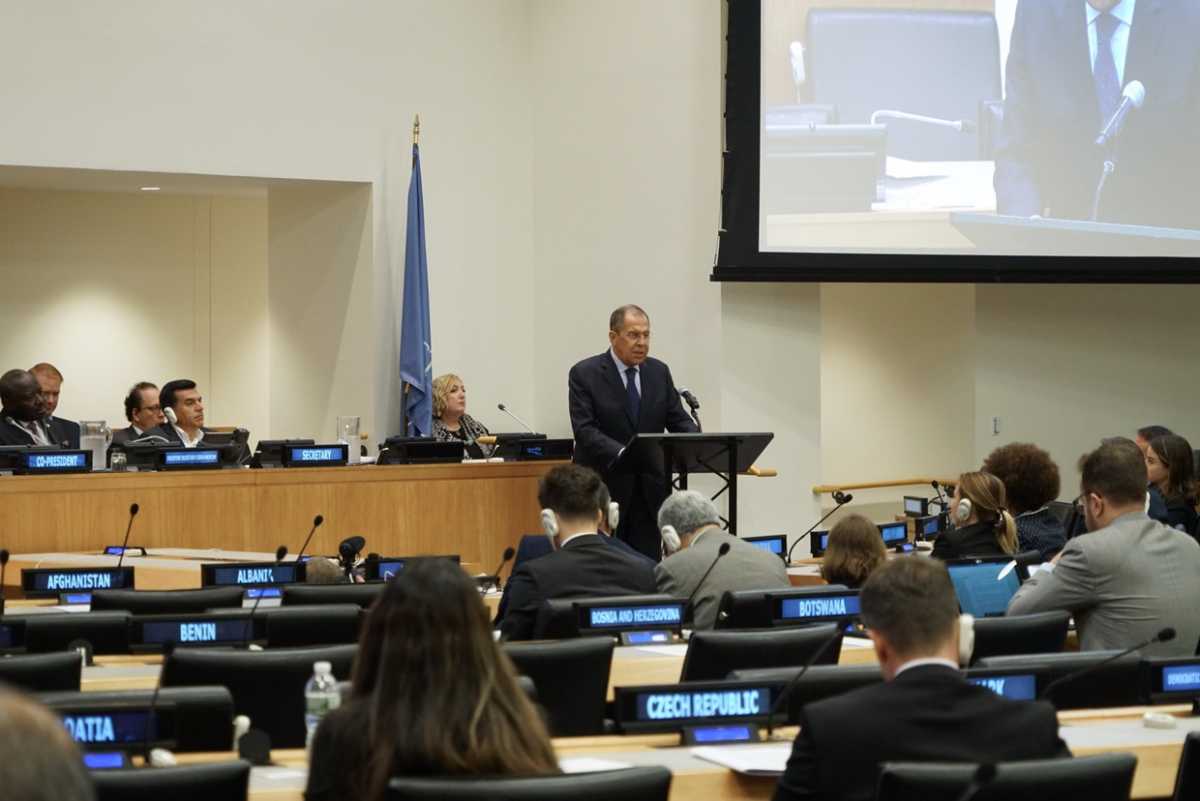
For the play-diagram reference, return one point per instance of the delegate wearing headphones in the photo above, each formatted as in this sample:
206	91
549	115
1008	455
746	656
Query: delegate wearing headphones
982	524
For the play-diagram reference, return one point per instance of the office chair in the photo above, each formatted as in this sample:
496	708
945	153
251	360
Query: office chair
1105	777
571	677
1041	633
821	681
1187	780
226	781
43	672
105	632
311	594
202	717
652	783
1115	684
167	602
714	655
327	624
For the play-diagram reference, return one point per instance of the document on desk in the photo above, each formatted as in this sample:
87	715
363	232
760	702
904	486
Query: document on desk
760	759
663	650
590	765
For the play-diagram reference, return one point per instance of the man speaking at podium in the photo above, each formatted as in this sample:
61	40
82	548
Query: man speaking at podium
613	396
1069	66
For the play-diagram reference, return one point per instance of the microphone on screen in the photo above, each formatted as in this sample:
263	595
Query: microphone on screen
839	627
1133	97
724	549
1162	635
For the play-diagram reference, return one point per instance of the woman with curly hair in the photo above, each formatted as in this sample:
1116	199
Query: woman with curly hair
1031	482
855	549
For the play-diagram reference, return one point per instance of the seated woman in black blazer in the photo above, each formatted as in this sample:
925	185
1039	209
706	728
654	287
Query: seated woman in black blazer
432	695
1171	470
982	524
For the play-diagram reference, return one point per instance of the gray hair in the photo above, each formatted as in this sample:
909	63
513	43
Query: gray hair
687	511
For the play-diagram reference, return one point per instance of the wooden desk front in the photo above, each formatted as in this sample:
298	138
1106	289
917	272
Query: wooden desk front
474	510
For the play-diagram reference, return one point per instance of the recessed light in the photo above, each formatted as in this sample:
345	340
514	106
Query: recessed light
151	188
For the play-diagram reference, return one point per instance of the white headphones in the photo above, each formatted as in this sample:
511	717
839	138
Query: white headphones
670	538
550	520
962	512
614	516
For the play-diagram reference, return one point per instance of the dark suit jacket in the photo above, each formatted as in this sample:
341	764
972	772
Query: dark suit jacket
602	425
583	567
1045	156
63	433
978	539
927	714
123	435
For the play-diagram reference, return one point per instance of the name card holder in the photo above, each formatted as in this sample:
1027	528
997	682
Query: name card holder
250	574
694	705
649	637
722	734
50	582
52	461
1171	680
335	455
814	607
189	459
632	615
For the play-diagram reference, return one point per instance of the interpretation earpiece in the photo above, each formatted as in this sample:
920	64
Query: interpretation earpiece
966	639
962	512
614	516
550	524
670	538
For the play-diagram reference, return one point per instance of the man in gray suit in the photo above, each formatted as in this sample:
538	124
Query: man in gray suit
691	528
1130	576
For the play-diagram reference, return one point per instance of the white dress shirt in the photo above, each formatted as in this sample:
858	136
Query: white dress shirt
1120	39
188	442
933	660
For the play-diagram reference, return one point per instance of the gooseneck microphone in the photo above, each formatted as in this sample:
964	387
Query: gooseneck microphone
1133	97
839	627
724	549
521	422
133	511
941	499
841	499
3	567
509	553
151	728
1163	635
317	521
280	553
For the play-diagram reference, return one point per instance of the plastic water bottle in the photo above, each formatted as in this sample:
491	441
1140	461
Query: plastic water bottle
320	696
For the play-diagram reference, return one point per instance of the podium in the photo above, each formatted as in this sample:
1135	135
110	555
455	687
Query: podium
679	455
1028	236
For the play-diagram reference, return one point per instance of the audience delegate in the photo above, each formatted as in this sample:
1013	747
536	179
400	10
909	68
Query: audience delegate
982	524
143	411
1130	575
855	551
1031	483
41	763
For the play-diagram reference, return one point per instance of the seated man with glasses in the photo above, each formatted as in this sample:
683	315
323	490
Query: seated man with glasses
143	412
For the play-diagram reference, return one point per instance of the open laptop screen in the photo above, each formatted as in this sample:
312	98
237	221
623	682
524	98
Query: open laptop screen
984	586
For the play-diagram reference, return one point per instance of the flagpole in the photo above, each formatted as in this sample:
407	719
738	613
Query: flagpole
404	408
417	129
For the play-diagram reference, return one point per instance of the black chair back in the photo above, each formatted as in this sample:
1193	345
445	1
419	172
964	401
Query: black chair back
268	686
331	624
651	783
167	602
220	781
43	672
1187	780
202	716
571	677
821	681
1040	633
1106	777
311	594
1115	684
106	632
713	655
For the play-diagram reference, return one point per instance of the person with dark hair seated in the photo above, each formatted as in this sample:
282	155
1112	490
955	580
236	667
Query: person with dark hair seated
1156	507
583	564
924	711
1130	576
142	410
982	524
432	694
1031	482
855	551
1171	470
187	407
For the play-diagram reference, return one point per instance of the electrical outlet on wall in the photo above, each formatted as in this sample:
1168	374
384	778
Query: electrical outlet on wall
995	426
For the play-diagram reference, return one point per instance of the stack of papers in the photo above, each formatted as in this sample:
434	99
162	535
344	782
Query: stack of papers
759	759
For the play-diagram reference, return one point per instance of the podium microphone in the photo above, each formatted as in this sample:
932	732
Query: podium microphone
522	423
693	404
1163	635
317	521
3	567
839	627
841	499
133	510
724	549
1132	97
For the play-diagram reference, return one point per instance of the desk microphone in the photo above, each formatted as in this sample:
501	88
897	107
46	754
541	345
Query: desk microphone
941	499
839	627
1163	635
509	553
523	424
984	775
280	553
133	511
3	567
317	521
841	499
724	549
157	757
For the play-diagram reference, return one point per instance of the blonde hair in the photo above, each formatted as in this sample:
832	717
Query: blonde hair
441	390
854	551
990	504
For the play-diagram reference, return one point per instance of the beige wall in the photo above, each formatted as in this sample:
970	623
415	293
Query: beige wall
143	287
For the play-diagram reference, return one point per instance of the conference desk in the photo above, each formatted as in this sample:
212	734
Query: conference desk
1086	733
475	510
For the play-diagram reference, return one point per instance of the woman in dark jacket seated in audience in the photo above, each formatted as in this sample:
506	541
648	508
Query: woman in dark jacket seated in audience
1171	470
982	524
432	695
854	551
1031	482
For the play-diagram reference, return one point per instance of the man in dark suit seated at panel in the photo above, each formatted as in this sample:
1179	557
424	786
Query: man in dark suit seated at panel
187	407
582	564
613	396
64	433
1067	67
143	412
925	711
23	418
